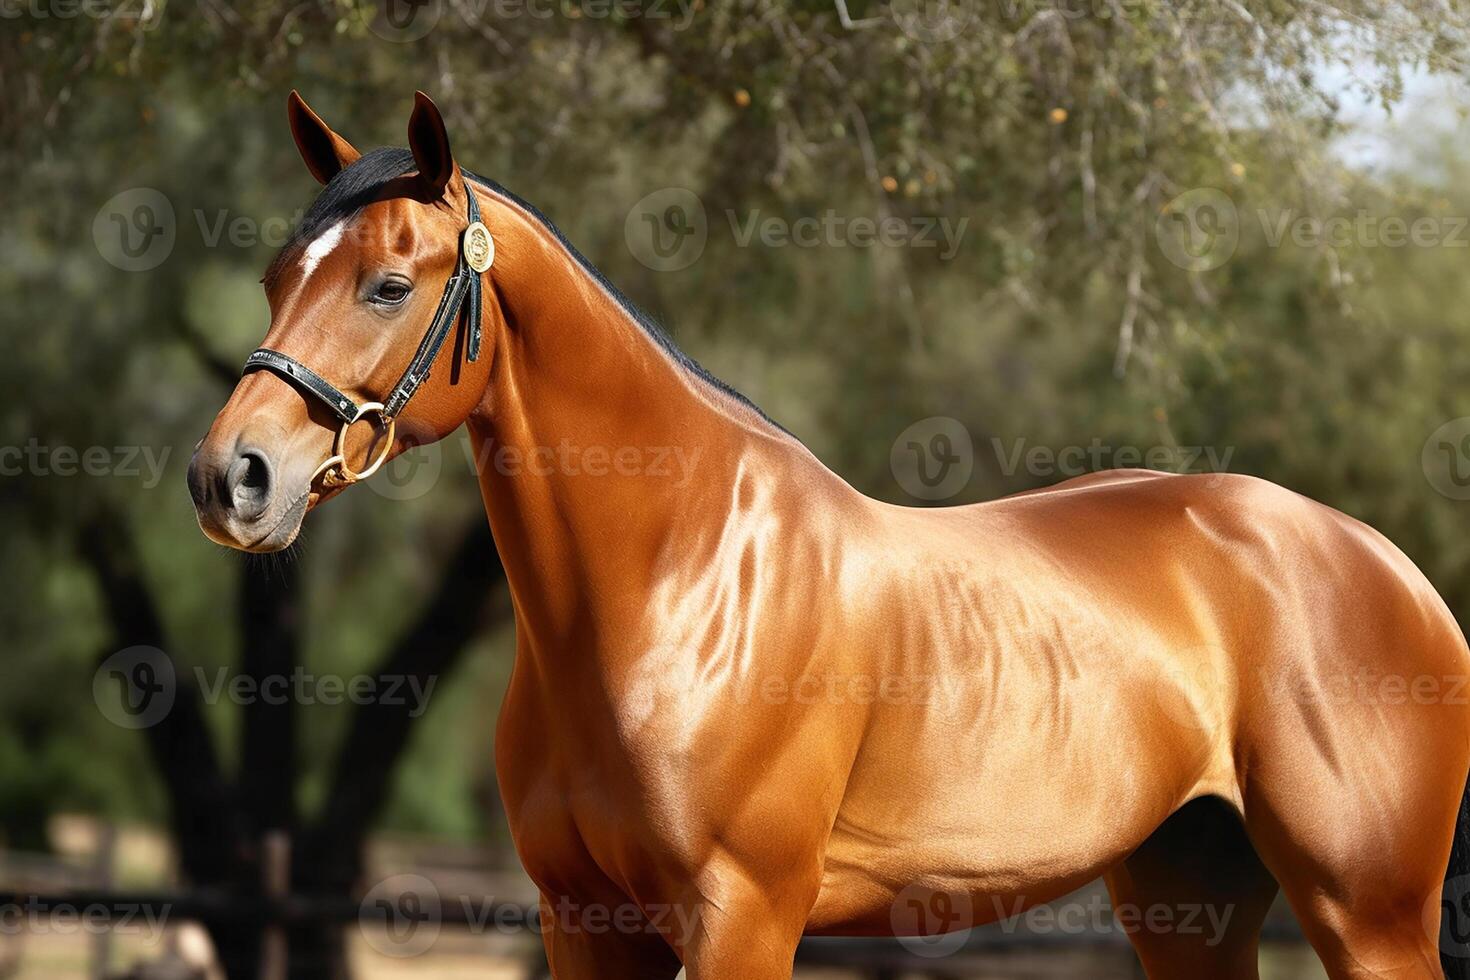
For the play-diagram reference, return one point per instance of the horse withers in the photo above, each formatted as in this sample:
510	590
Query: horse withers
750	703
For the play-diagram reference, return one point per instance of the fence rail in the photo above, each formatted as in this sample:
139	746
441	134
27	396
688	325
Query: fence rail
876	958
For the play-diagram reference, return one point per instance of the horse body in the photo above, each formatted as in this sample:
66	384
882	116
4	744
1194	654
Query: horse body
1117	647
806	693
749	703
999	702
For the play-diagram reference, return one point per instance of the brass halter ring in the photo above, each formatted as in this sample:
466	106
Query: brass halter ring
335	472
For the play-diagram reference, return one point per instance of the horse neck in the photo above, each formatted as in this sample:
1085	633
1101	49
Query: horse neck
599	455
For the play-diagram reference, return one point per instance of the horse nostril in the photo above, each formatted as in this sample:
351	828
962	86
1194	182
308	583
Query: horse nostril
257	473
248	484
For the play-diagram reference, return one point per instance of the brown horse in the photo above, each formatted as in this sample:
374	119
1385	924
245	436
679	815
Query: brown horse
750	703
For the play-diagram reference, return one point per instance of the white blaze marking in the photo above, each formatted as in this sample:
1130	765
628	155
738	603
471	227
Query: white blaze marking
321	247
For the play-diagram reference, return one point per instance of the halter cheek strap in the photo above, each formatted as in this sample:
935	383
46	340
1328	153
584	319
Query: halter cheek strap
462	291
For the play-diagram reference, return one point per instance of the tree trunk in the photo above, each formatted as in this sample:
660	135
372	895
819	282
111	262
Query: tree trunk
219	825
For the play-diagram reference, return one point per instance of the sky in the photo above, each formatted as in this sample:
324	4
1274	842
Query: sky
1382	141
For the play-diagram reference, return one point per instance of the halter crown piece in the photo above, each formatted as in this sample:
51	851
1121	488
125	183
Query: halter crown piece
476	253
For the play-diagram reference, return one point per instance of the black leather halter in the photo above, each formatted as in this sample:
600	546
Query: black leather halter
476	251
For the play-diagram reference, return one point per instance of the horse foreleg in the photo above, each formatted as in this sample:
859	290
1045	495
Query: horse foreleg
604	941
747	933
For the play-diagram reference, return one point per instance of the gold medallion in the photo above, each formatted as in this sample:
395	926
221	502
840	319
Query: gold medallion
479	247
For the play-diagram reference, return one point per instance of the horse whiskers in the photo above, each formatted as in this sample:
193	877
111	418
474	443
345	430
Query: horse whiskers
274	563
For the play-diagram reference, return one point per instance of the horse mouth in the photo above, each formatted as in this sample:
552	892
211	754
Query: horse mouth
283	532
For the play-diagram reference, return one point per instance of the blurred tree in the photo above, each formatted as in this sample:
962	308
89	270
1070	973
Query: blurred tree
221	821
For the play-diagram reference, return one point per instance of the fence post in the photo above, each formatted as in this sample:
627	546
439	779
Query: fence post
275	864
102	867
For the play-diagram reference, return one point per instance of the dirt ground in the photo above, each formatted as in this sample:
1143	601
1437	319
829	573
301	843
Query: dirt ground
139	857
68	957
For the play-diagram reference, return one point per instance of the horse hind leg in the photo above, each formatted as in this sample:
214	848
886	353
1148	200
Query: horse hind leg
1368	894
1193	896
1353	805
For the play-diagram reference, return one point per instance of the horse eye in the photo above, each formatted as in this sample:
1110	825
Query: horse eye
391	292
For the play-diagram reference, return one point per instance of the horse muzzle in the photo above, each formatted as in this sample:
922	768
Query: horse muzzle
241	499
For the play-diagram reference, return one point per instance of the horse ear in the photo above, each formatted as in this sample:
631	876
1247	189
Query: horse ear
429	142
325	153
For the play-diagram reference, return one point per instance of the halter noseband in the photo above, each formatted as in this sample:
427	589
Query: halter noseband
476	252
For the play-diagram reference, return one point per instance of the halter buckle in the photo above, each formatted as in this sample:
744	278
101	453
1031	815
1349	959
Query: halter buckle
334	471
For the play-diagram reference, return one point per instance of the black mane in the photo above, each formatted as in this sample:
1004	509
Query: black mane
357	185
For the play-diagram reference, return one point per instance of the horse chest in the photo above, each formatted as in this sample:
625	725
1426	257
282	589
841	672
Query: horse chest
579	801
